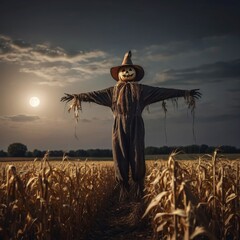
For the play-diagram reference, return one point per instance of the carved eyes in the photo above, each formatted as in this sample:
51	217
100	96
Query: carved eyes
124	70
127	74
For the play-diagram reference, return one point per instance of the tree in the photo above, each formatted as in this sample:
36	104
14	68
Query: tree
56	153
81	153
203	148
152	150
3	154
17	150
29	154
37	153
71	153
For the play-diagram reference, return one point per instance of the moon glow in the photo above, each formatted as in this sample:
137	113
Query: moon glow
34	101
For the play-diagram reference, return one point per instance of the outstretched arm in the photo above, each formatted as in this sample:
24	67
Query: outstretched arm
155	94
102	97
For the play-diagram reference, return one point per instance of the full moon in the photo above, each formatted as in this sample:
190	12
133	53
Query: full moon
34	101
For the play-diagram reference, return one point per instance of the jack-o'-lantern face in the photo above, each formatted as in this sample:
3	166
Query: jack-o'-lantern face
127	73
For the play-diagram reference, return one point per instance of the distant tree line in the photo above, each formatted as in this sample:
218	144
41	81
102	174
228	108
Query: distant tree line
190	149
20	150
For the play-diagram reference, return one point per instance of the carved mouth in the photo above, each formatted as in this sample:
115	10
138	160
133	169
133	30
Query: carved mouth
127	75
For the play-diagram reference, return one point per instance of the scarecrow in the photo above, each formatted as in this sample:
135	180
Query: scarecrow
127	99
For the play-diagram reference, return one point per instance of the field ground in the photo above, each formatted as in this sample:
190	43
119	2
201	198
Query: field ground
148	157
115	221
121	220
81	200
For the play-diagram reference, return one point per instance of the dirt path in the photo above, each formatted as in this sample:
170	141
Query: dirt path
121	220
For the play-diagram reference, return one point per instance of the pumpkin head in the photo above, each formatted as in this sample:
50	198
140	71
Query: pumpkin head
127	71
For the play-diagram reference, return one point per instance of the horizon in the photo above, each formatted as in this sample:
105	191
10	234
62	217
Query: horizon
86	149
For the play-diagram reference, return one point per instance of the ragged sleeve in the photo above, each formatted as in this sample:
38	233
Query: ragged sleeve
101	97
151	94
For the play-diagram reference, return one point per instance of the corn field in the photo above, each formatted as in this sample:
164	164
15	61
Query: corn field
43	200
61	200
194	199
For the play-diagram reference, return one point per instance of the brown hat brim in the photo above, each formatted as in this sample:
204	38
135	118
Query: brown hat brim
139	71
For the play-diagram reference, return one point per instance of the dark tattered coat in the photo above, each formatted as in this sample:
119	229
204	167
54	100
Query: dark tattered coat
127	101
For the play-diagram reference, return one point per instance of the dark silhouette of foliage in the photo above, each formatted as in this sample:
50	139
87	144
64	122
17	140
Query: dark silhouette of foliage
37	153
3	154
17	150
20	150
56	153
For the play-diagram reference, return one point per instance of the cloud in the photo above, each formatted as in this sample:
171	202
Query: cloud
212	47
20	118
168	51
234	90
53	65
207	73
96	119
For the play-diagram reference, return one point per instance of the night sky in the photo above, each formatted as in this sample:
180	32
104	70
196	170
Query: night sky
51	47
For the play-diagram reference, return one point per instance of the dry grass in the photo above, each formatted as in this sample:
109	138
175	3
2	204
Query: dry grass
60	200
194	200
43	200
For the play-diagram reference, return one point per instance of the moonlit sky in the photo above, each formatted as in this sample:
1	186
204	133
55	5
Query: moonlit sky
51	47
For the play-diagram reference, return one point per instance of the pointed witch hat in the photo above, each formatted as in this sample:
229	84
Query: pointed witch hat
127	62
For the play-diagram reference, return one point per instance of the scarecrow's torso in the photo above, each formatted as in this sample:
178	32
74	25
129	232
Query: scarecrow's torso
126	99
126	107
